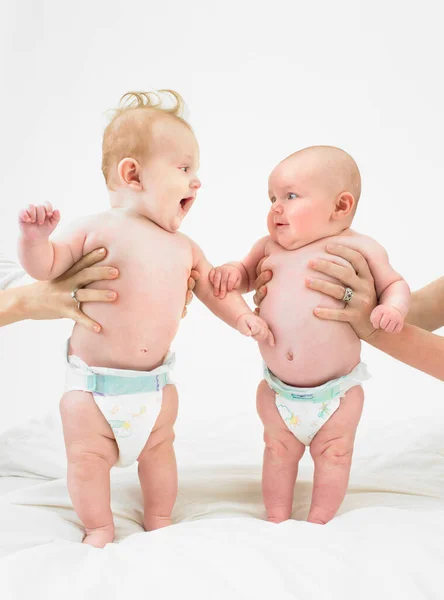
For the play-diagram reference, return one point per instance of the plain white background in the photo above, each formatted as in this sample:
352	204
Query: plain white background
260	83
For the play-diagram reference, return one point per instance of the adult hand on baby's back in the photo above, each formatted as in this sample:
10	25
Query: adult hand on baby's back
360	280
54	300
194	276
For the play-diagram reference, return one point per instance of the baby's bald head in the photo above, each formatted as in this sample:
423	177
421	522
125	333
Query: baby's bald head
331	166
313	193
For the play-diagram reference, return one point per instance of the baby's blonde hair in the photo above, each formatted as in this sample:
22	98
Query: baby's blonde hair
128	132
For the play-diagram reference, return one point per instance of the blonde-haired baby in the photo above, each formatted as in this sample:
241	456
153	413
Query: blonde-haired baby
120	403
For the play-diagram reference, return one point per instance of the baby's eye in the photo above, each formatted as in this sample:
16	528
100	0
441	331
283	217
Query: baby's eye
273	199
185	169
291	196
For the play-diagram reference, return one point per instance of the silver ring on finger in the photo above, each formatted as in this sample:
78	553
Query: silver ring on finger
348	295
74	297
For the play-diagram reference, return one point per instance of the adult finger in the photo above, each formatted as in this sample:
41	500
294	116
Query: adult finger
326	287
92	295
260	295
263	279
354	257
343	274
86	261
332	314
192	283
79	317
259	265
92	274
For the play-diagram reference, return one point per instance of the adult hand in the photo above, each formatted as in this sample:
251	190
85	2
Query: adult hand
194	276
53	300
260	284
360	280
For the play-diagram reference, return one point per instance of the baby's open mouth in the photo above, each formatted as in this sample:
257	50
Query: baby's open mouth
185	203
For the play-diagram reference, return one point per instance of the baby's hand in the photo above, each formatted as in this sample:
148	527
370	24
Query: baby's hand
255	327
387	318
38	222
224	278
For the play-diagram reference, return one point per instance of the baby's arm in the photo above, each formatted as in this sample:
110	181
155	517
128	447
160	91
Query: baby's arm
41	258
233	309
392	290
238	275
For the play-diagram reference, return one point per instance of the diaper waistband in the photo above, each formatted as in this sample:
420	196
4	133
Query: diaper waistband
116	382
322	393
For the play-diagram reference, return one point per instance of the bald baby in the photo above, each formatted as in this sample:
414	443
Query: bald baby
311	394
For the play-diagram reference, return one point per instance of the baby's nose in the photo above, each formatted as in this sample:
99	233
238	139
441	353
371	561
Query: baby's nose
196	184
277	208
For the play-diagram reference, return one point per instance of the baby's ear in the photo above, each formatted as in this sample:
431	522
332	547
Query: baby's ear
344	205
128	172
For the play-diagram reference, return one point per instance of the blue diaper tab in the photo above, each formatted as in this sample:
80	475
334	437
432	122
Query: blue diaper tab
113	385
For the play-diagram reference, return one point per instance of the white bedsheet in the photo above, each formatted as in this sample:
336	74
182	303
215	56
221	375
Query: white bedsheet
385	543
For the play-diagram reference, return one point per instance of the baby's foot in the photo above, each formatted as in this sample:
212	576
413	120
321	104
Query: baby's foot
100	536
153	522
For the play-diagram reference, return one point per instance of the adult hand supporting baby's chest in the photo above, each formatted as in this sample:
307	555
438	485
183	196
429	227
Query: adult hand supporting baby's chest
360	280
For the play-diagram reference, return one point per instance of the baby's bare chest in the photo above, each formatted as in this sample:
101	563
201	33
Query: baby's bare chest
291	268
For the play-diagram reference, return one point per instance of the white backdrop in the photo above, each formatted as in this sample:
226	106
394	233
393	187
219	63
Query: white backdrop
259	84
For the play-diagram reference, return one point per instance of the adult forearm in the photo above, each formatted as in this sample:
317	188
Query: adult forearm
12	306
413	346
427	306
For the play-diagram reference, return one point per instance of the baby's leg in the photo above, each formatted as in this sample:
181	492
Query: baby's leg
281	458
332	450
92	451
157	465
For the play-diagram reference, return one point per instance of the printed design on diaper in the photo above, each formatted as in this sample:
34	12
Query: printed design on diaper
123	428
325	411
120	429
288	416
308	419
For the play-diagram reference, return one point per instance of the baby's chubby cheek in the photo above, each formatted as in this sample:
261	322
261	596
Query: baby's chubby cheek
303	221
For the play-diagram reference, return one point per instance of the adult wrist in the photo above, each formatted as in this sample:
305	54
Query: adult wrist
12	306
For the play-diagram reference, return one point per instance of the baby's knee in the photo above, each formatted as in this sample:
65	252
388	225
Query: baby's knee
160	442
86	463
337	451
283	444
